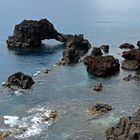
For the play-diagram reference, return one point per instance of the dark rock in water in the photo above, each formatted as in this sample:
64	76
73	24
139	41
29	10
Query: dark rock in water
76	47
105	48
96	52
29	33
131	65
128	128
98	87
127	46
138	44
19	80
99	109
133	54
102	65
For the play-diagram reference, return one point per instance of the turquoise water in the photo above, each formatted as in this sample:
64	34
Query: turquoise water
67	89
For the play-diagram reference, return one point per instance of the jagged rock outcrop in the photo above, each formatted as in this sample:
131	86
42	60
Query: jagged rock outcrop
127	46
102	65
128	128
76	48
19	80
29	33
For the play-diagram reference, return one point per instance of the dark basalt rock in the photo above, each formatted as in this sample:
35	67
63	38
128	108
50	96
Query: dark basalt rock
127	46
105	48
130	65
96	52
128	128
138	44
76	47
29	33
102	65
19	80
133	54
99	109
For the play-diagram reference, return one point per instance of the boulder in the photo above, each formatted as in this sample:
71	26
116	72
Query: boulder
130	65
29	33
76	48
133	54
96	52
105	48
19	80
102	65
99	109
128	128
127	46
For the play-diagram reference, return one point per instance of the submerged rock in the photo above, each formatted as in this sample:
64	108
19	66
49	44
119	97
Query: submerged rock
76	47
105	48
98	87
127	46
128	128
102	65
99	109
96	52
29	33
131	65
19	80
132	77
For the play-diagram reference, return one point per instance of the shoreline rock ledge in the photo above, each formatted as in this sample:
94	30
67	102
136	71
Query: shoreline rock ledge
128	128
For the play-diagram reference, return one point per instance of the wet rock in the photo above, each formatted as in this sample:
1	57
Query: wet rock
96	52
105	48
19	80
52	115
127	46
102	65
131	65
99	109
76	47
133	54
138	44
128	128
98	87
29	33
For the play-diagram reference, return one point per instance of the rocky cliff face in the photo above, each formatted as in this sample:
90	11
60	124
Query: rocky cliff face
128	128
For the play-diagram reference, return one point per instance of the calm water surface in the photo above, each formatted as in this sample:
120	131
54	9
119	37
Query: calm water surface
67	89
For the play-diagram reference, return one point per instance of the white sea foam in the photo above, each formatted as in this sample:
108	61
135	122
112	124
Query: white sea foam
33	123
3	83
37	73
11	120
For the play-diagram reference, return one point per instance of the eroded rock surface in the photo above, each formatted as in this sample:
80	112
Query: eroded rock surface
96	52
128	128
102	65
19	80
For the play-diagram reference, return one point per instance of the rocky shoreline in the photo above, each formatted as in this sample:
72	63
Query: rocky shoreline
99	63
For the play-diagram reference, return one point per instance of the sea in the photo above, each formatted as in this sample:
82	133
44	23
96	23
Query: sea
67	89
